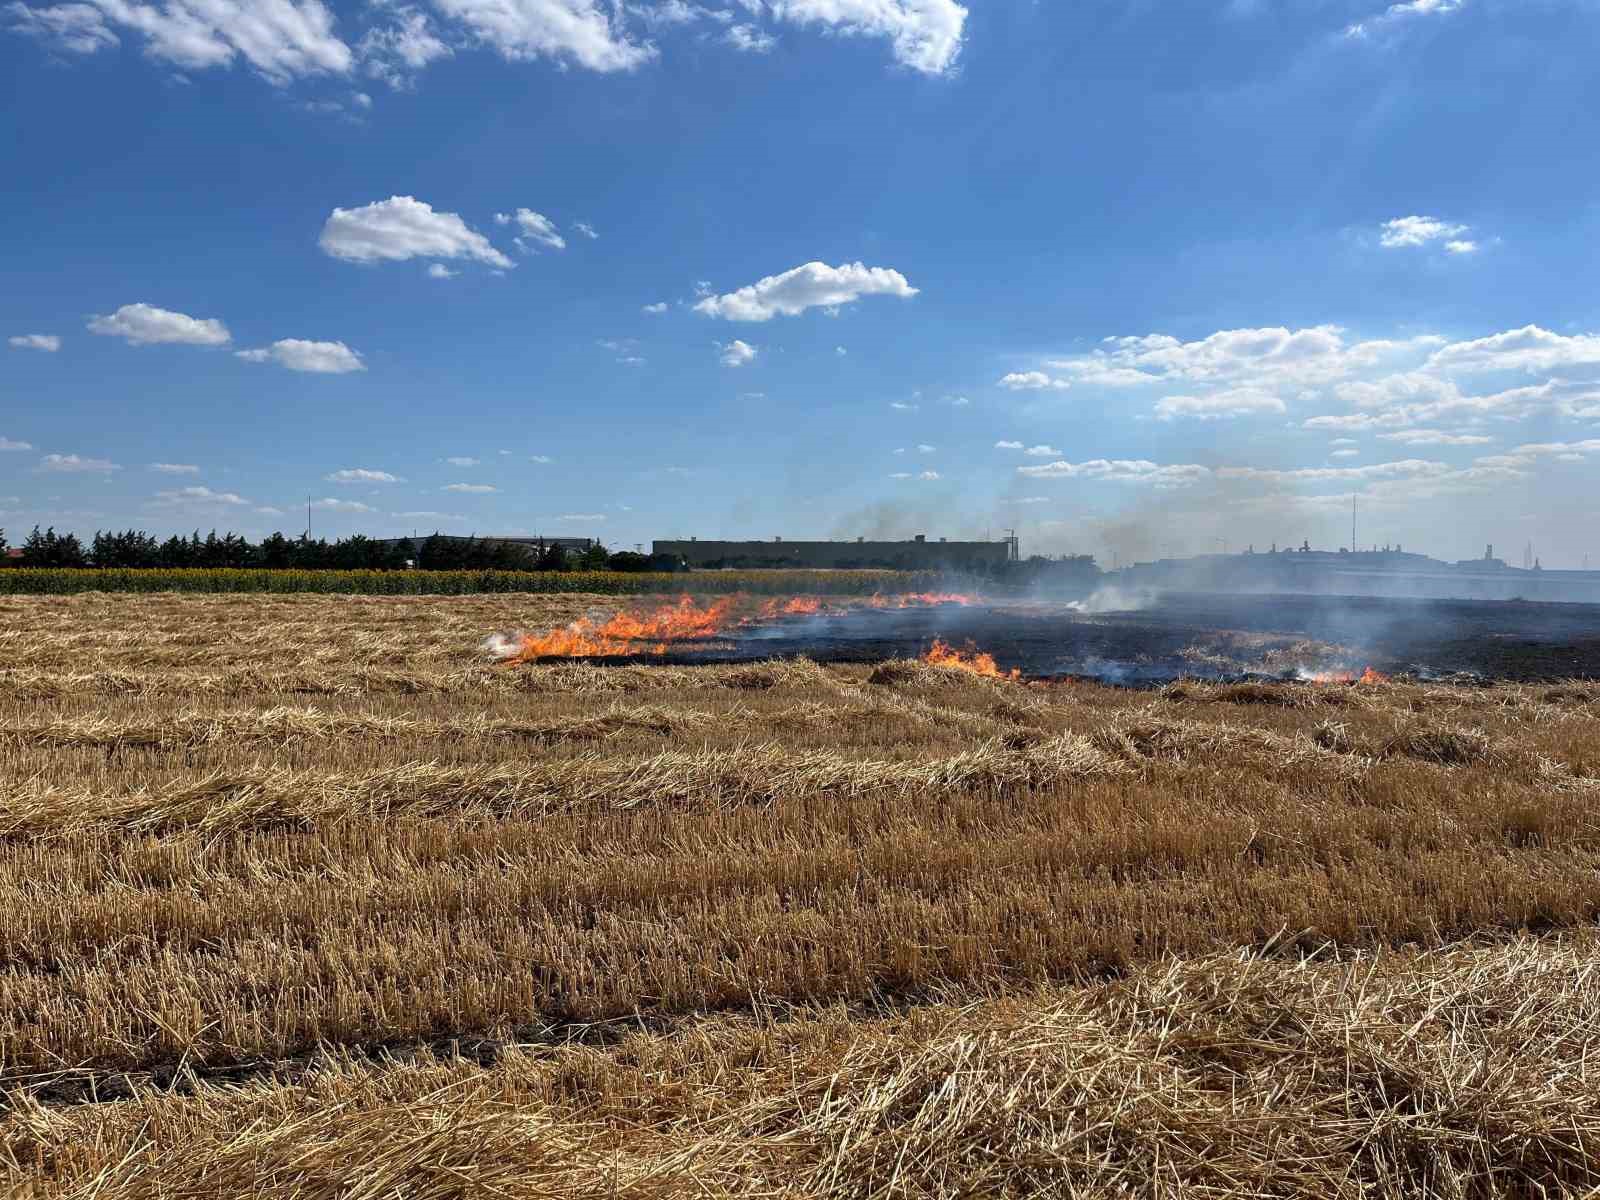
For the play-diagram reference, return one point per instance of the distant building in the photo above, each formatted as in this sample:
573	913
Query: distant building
916	554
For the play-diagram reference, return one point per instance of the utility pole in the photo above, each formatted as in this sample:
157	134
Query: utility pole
308	518
1352	522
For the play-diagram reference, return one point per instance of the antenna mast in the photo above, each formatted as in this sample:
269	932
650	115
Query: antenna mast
1352	522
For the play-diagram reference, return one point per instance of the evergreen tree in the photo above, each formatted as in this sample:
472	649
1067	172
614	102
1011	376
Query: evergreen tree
275	551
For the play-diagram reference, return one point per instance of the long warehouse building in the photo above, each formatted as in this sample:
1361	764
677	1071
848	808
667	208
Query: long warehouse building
916	554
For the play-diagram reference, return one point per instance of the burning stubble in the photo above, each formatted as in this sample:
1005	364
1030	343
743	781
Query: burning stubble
330	907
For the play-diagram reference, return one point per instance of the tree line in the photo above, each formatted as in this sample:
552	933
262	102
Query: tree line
437	552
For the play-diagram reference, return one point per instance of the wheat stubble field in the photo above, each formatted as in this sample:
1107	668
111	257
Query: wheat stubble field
300	898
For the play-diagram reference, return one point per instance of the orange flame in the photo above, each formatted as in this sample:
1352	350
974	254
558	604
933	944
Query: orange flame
941	654
1369	676
627	633
920	599
795	606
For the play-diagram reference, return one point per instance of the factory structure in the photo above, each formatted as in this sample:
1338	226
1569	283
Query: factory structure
917	554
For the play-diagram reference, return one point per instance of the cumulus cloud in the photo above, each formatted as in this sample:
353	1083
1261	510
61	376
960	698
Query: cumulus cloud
1266	357
297	354
400	228
9	444
198	496
1032	381
440	271
146	325
1008	445
1400	12
1121	471
1434	437
1347	452
656	309
586	229
74	28
462	461
362	475
175	468
1042	451
1461	246
1390	470
48	342
1417	231
902	406
541	459
928	475
331	504
924	35
475	489
533	230
751	39
1213	406
73	463
737	353
1528	349
282	40
811	285
397	51
584	32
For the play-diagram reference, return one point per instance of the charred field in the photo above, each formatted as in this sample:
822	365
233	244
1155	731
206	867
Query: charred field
307	896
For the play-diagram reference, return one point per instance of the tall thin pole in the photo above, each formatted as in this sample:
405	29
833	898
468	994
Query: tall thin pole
1352	522
308	518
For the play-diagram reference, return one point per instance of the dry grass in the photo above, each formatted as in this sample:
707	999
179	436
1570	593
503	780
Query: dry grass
769	930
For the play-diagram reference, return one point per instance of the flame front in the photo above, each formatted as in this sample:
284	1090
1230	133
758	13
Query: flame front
941	654
921	599
626	633
1369	676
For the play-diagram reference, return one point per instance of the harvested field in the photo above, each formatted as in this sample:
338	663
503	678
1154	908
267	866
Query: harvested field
299	897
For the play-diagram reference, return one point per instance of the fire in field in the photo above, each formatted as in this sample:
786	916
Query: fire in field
309	896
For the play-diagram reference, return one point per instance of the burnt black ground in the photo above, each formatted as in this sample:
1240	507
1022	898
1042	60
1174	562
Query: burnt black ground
1509	640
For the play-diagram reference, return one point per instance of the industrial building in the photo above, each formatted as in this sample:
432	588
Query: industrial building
915	555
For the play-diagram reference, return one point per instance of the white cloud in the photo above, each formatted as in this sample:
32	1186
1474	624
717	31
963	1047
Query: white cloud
580	517
924	448
362	475
656	309
900	475
198	495
737	353
1096	370
579	31
1400	12
1408	387
1588	446
1042	452
902	406
145	325
1008	445
535	230
811	285
1434	437
1417	231
48	342
1029	500
74	463
462	461
396	52
1266	357
1462	246
1527	349
350	506
959	402
840	351
586	229
476	489
1121	471
751	39
297	354
1347	452
400	228
428	514
440	271
929	475
1343	442
924	35
282	39
1213	406
175	468
1389	470
542	459
75	28
266	510
1032	381
7	444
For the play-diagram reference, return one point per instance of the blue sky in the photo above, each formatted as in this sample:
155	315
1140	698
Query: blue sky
1129	276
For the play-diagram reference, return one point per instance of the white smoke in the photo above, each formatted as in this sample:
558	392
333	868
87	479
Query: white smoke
501	646
1112	598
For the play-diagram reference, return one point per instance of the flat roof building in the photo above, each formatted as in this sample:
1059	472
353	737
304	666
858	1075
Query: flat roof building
916	554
